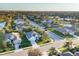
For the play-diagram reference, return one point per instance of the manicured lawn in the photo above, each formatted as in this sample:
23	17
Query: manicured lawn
63	49
43	41
60	34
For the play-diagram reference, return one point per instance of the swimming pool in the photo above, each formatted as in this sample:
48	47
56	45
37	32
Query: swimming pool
2	25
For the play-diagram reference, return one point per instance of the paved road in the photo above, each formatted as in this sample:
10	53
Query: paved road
44	48
54	36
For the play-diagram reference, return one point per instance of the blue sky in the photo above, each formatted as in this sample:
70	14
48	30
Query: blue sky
40	6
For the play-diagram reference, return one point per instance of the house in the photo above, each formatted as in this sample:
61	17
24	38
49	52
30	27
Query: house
9	37
19	21
67	54
76	54
30	34
19	24
14	39
71	29
47	21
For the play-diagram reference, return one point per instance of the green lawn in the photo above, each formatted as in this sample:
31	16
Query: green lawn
60	34
43	41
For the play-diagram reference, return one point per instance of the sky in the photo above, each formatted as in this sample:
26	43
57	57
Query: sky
40	6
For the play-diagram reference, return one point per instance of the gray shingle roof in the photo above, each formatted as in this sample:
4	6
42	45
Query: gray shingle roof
67	54
76	54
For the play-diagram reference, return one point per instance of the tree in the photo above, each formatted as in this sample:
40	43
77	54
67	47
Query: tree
52	51
45	37
68	44
34	52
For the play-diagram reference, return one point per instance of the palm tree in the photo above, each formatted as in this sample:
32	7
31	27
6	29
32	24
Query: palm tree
68	43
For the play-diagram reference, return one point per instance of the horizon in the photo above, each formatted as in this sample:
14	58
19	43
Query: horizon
39	6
